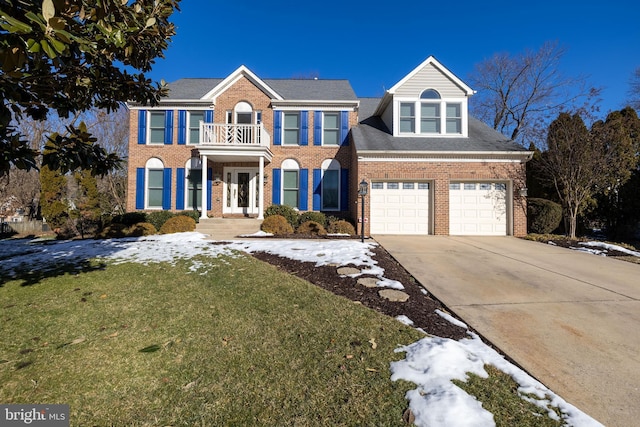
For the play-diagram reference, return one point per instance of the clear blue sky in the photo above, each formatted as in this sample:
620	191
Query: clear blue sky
375	43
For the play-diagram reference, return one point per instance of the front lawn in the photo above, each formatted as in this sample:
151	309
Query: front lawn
232	341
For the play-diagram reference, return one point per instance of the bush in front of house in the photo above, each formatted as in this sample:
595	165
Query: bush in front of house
191	214
543	216
129	218
158	218
289	213
276	225
142	229
341	226
318	217
114	230
311	227
178	224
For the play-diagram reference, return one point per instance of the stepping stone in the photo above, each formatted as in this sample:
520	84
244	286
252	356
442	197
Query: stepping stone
346	271
368	282
393	295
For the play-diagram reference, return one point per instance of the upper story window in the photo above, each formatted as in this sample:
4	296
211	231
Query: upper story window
331	128
431	114
156	127
291	128
195	117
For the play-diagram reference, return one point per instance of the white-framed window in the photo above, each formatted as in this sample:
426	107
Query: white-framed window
331	128
290	183
193	183
431	114
291	128
156	127
330	185
154	171
193	126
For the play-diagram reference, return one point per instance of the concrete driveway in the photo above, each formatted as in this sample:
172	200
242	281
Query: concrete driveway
571	319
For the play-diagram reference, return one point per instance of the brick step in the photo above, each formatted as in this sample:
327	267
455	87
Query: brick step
227	228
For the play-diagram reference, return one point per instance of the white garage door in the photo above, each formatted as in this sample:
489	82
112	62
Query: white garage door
400	208
478	208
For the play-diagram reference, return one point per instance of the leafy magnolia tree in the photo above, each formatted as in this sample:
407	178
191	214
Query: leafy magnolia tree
581	163
71	56
517	93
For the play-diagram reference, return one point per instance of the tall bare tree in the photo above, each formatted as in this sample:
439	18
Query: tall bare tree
516	93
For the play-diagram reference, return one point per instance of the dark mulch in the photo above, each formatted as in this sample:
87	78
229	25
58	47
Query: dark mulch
420	308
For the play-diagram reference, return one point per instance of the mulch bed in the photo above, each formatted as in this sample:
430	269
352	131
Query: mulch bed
420	308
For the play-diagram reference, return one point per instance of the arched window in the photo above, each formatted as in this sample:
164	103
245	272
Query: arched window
243	113
430	94
193	183
290	183
330	185
154	171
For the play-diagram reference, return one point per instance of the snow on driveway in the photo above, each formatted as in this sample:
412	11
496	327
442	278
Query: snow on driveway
430	363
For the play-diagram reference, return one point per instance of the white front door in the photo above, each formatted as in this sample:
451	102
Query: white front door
240	191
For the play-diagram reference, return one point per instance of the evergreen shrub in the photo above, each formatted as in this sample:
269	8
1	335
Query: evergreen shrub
178	224
311	227
543	216
341	226
142	229
158	218
289	213
277	225
318	217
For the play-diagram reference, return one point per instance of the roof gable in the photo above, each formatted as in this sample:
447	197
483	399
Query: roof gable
432	63
239	73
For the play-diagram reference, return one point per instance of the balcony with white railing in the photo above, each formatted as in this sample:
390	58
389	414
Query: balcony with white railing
239	135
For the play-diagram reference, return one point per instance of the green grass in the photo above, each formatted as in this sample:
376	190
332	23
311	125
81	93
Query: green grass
243	344
235	342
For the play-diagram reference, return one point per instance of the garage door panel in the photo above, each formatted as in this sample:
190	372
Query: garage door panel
400	208
477	208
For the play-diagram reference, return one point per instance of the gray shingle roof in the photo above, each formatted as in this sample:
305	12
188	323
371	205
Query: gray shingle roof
289	89
372	135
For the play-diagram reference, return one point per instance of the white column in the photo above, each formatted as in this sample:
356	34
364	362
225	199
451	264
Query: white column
203	211
261	190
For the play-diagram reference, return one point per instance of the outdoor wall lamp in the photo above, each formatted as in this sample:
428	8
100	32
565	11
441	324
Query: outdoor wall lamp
363	189
265	179
217	180
524	192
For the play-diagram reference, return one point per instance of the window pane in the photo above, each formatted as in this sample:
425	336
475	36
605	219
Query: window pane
157	136
423	186
291	198
155	198
194	188
330	137
377	185
194	119
430	110
155	178
330	189
468	186
406	110
455	186
290	179
407	125
453	110
430	94
430	126
291	137
157	119
393	185
291	120
330	121
454	126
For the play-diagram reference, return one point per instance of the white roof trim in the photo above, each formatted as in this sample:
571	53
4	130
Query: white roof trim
241	71
433	61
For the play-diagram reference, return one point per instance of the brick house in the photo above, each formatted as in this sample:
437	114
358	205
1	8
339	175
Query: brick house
308	143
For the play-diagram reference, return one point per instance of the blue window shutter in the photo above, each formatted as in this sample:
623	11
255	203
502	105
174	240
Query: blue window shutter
208	116
275	186
277	128
317	128
303	185
166	189
182	127
317	189
344	127
140	188
209	186
304	128
142	127
344	189
168	127
180	184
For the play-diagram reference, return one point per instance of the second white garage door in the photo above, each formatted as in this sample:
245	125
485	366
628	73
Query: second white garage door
400	207
478	208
